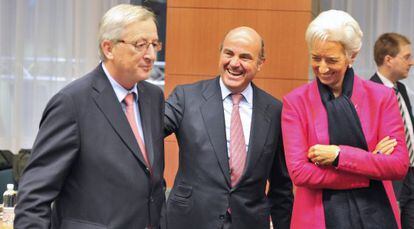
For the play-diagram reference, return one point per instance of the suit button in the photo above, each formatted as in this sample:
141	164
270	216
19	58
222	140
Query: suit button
221	217
151	199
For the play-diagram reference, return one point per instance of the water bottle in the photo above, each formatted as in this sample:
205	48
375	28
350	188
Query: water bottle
9	201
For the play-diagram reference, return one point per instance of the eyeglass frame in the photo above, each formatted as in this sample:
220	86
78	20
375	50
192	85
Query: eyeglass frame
141	46
407	59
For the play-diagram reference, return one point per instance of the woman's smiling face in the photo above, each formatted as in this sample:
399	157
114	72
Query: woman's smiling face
329	63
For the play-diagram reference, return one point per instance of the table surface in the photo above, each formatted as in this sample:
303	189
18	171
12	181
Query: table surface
2	226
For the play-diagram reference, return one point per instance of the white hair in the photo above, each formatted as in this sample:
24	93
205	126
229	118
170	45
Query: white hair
117	18
338	26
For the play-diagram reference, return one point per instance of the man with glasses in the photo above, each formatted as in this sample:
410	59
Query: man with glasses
393	56
99	153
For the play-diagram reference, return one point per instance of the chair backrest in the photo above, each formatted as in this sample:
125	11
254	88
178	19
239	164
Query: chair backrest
6	171
6	159
6	177
19	163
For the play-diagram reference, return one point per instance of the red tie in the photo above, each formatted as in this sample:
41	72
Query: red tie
131	116
237	143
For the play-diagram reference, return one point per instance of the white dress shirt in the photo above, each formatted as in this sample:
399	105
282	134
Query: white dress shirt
245	109
120	93
407	117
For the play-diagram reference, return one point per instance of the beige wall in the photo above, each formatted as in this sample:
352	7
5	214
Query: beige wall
195	29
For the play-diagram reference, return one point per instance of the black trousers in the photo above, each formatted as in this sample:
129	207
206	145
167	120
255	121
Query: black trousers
406	199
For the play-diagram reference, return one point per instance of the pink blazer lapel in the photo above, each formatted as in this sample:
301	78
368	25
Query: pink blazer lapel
319	114
359	97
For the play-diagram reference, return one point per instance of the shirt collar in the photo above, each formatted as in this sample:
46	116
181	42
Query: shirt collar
247	92
120	91
386	81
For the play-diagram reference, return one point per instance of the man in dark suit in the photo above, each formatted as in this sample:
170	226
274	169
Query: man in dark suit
99	153
230	144
392	53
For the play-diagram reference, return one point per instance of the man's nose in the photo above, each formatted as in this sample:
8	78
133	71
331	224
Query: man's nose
150	53
235	62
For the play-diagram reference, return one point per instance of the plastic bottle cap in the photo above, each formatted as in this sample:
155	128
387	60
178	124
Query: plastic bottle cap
10	186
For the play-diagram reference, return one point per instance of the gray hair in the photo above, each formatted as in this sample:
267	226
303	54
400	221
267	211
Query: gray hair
338	26
117	18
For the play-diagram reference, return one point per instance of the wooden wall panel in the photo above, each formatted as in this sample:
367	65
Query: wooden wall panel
171	160
174	80
194	37
286	5
279	87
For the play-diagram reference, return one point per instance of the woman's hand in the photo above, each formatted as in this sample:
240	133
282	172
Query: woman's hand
323	154
385	146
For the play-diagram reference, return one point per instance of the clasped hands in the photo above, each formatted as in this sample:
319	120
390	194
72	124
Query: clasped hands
326	154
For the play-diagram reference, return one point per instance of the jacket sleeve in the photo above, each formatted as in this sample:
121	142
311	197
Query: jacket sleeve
55	148
174	110
301	170
380	166
280	191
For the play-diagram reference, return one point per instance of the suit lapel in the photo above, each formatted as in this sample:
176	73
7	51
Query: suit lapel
357	99
145	112
105	98
319	115
258	133
404	94
213	117
376	79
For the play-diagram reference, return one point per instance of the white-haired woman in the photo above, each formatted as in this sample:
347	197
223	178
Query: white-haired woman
343	136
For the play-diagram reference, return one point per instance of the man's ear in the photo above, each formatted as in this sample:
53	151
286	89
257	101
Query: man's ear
107	48
387	60
260	63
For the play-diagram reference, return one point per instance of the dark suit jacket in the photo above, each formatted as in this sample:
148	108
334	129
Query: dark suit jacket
202	193
86	159
401	88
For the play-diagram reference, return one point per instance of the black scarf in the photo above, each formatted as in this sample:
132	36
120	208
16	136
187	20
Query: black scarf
342	114
353	208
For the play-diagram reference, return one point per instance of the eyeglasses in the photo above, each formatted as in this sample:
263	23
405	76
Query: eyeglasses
141	46
406	58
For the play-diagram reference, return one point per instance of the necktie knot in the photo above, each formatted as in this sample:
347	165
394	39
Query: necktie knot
236	98
129	99
395	90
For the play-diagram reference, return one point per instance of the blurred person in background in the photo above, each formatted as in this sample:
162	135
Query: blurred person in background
393	56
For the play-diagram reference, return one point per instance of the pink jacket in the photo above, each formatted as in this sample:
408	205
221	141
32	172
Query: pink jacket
305	123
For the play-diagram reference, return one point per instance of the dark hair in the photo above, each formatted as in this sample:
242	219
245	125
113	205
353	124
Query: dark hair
388	44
